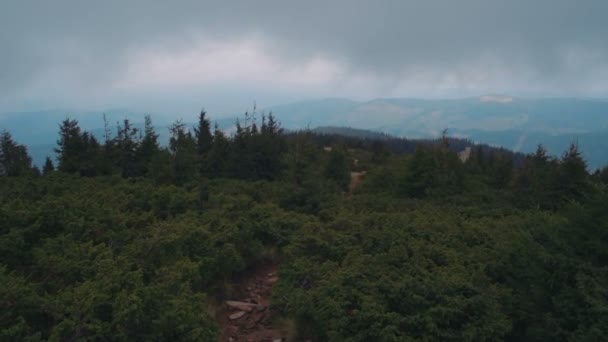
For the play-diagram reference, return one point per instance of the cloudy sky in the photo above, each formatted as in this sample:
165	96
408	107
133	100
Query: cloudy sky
225	54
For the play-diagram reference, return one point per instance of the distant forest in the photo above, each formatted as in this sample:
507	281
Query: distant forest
124	239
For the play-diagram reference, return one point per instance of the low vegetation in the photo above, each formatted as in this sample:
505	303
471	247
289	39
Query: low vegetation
128	240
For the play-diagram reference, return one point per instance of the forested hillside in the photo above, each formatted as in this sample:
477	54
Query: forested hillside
123	239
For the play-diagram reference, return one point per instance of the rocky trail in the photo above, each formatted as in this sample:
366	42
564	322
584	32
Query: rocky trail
247	316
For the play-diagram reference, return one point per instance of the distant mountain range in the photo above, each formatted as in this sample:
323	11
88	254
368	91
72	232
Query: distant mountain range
515	123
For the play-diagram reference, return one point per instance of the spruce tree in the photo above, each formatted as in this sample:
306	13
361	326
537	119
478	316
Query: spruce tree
219	155
69	146
573	176
89	155
203	134
48	166
14	159
183	149
148	147
128	144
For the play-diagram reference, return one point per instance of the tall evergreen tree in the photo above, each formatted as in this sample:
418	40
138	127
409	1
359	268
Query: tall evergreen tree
573	176
183	149
148	147
204	140
219	155
534	182
48	166
69	146
14	159
540	157
89	154
203	134
269	145
241	158
127	142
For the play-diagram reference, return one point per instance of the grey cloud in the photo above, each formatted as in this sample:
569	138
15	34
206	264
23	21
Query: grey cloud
534	40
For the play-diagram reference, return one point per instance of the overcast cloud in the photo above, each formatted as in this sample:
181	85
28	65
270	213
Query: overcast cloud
96	53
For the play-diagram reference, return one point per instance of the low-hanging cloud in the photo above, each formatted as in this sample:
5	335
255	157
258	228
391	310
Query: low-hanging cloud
551	46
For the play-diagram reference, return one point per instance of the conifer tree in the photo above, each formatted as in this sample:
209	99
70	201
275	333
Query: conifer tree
337	167
421	174
573	176
148	147
534	181
203	134
48	166
183	150
69	146
128	143
219	155
14	159
88	156
241	158
540	157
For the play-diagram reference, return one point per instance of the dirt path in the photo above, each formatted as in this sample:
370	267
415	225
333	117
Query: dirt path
246	315
355	179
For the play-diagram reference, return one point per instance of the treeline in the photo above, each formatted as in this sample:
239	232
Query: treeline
364	139
263	151
253	152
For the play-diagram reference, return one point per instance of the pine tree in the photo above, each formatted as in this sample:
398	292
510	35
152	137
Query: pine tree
204	140
89	155
128	144
48	166
219	155
573	176
106	130
183	150
148	147
535	181
69	146
203	134
241	158
540	157
14	159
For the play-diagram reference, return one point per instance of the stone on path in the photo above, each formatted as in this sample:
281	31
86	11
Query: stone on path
243	306
237	315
